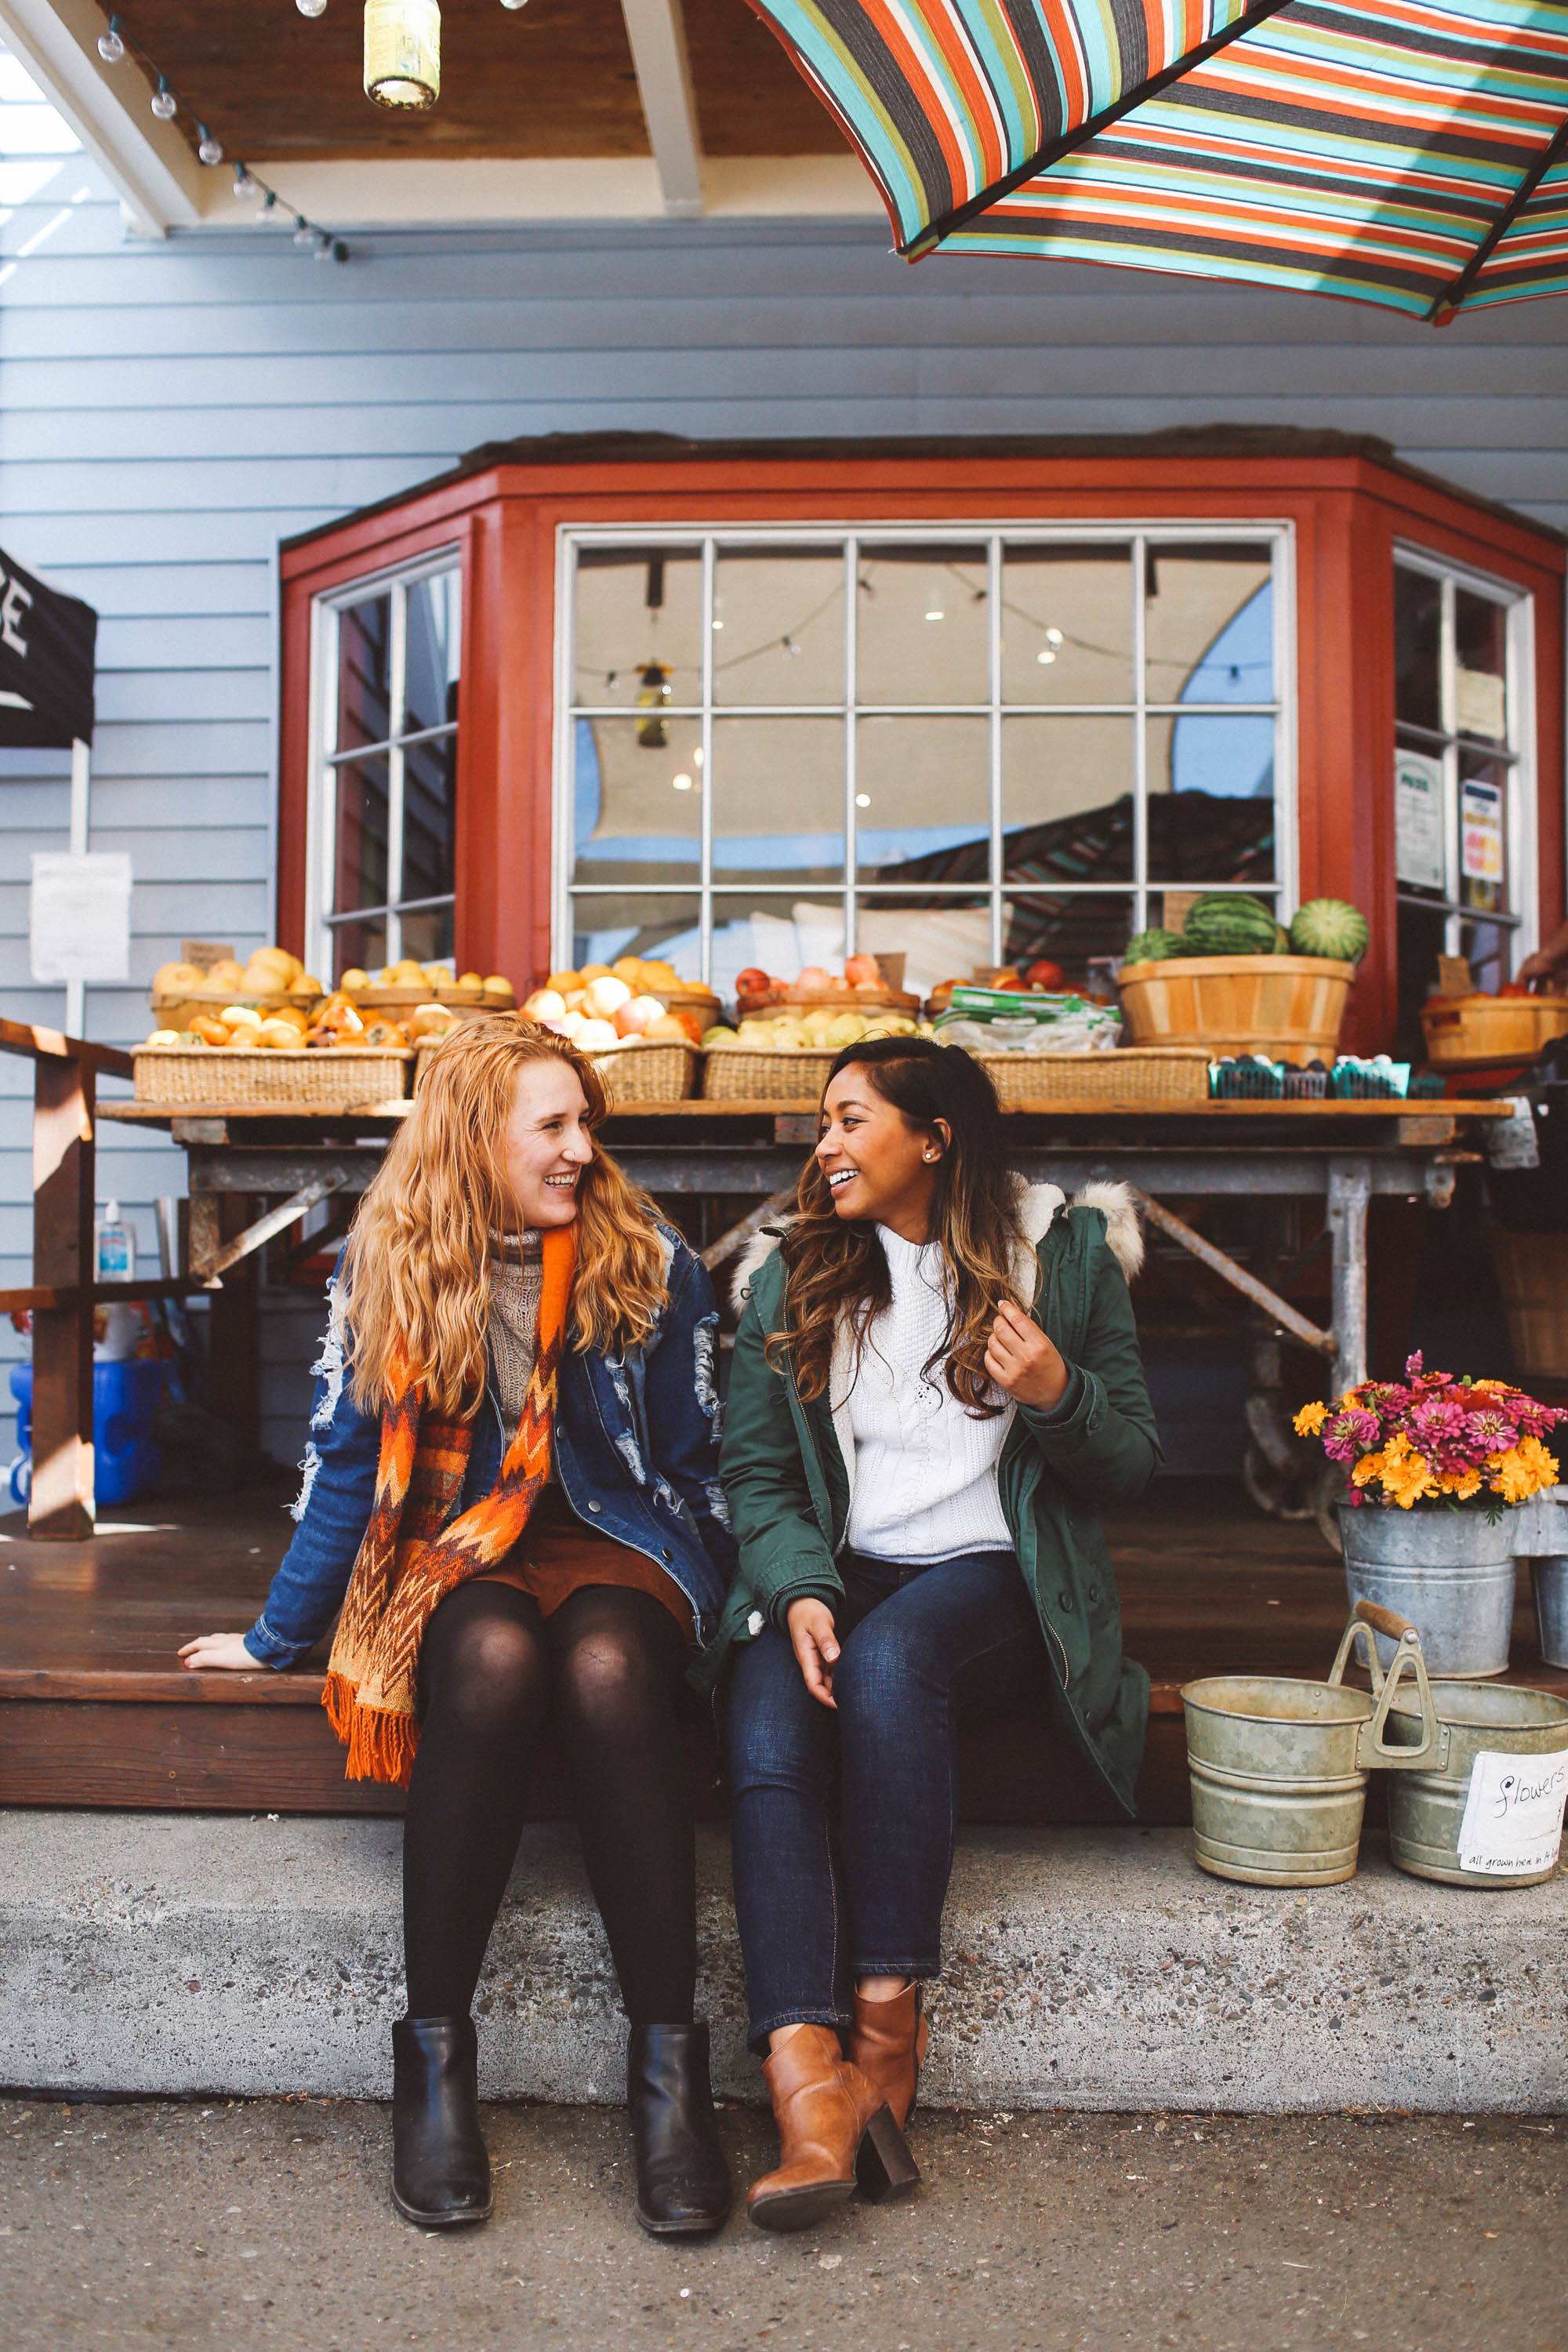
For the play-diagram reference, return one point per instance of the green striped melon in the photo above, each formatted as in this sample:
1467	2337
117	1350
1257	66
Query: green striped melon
1225	922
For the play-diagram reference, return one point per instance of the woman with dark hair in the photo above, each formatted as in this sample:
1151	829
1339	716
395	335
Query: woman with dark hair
936	1382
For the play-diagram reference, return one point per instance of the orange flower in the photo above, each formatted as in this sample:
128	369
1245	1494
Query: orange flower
1311	1419
1522	1471
1366	1469
1406	1475
1462	1484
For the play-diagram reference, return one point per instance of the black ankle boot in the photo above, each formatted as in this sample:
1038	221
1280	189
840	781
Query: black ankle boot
683	2182
440	2170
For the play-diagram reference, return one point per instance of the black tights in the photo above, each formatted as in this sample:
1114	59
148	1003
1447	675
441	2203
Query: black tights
612	1660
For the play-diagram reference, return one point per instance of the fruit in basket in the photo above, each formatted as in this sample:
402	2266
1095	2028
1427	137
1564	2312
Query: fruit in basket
636	1013
166	1037
240	1016
544	1004
1152	946
430	1020
596	1037
353	981
1228	922
280	1034
719	1034
177	978
603	999
862	971
1044	973
753	982
384	1033
495	983
1329	927
211	1032
227	974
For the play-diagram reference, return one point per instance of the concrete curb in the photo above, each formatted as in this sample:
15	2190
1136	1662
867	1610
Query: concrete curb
172	1952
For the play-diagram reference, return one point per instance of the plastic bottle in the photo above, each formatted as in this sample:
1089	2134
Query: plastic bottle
116	1329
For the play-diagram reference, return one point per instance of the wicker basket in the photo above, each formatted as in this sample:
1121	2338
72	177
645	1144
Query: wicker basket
747	1074
243	1077
1157	1073
1474	1033
460	1000
1290	1007
178	1012
869	1000
649	1074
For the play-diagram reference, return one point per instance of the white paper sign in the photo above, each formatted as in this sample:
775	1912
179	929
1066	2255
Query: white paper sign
1480	700
1513	1814
80	917
1481	832
1418	820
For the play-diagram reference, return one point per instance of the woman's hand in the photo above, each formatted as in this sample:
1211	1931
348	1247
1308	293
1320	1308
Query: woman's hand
227	1650
1023	1362
815	1646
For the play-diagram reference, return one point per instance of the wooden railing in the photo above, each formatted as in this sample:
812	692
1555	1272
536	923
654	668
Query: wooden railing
63	1294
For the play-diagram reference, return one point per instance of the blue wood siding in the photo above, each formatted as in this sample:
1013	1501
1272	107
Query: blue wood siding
168	411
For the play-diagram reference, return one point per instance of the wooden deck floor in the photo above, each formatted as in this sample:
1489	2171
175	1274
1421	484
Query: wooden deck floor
96	1709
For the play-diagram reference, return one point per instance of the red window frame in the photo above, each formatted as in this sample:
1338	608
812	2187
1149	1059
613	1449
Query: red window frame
1348	509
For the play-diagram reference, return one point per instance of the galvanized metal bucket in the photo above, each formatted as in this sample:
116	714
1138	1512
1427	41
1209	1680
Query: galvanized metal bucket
1449	1572
1427	1809
1550	1578
1280	1766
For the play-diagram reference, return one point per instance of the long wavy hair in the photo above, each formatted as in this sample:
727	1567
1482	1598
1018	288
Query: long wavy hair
417	1275
836	1267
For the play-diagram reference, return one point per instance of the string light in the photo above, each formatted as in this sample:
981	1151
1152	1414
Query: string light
116	44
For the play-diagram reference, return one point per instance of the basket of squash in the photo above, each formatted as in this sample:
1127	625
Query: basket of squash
280	1058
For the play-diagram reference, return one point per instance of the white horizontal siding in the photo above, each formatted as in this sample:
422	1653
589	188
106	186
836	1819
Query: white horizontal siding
169	410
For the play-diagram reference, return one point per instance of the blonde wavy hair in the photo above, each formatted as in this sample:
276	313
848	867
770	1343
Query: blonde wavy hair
417	1269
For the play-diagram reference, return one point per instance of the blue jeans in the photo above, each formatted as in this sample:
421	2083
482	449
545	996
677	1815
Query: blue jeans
842	1818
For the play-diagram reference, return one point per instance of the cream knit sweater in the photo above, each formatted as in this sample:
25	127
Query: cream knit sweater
924	1479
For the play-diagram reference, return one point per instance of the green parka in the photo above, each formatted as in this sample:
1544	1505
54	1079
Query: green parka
783	1468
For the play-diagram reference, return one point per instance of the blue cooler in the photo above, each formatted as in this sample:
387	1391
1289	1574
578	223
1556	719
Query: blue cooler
124	1398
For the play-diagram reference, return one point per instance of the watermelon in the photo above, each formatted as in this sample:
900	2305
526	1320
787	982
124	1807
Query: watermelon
1152	946
1224	922
1329	927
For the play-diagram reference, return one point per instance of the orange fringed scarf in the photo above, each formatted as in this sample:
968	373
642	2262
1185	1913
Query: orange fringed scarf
410	1561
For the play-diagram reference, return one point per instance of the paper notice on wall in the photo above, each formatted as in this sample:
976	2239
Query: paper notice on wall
1481	832
79	917
1480	700
1418	821
1513	1814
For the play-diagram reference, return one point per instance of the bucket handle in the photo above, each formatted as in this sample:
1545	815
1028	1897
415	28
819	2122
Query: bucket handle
1371	1746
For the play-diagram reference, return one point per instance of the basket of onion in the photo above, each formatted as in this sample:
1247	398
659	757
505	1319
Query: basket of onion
642	1050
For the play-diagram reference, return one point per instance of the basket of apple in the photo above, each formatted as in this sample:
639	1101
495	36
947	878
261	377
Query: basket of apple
621	1017
867	983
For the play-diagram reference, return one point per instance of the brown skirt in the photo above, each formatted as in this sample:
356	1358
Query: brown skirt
556	1554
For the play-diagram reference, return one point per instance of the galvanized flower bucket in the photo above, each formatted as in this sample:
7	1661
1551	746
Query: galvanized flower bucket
1525	1733
1280	1767
1451	1572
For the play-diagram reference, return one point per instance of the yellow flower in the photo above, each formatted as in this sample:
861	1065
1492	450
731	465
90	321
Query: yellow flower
1366	1469
1522	1471
1460	1483
1311	1419
1406	1476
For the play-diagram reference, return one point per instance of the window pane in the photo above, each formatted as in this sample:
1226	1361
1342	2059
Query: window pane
639	627
1211	800
1066	799
1480	659
779	934
1066	624
943	937
1418	647
433	654
1483	833
362	809
778	799
1209	624
629	924
1072	928
364	673
922	799
359	944
1489	948
428	801
922	624
778	625
1423	937
428	934
636	800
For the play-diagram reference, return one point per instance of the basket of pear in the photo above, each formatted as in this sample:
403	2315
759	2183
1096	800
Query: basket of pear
404	987
273	981
785	1057
239	1058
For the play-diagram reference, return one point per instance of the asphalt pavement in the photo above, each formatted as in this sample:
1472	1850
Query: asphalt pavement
267	2224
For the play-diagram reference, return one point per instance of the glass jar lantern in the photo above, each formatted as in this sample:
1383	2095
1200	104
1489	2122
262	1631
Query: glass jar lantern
403	53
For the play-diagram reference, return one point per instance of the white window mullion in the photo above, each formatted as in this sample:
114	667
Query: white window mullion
851	744
705	866
993	740
396	672
1139	743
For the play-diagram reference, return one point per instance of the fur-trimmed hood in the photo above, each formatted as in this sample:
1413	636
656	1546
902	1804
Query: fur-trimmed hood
1038	1204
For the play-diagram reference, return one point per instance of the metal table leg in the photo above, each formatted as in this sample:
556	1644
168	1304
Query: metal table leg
1350	1189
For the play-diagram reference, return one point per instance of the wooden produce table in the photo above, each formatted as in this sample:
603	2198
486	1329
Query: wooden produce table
1341	1153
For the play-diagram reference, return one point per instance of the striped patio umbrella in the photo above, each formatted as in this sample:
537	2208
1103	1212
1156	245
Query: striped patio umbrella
1395	152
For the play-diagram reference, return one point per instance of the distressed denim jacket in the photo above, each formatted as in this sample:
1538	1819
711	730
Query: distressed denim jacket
636	1451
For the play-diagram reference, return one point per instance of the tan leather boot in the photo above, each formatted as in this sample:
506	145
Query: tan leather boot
889	2045
835	2133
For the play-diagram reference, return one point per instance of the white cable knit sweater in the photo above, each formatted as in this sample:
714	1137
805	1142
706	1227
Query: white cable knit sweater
923	1485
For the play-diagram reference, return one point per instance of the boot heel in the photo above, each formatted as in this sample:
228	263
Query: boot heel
883	2165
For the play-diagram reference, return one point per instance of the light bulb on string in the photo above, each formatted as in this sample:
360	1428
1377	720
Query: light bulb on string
304	235
1053	636
110	47
165	104
209	149
311	7
323	246
682	782
514	4
266	209
936	613
243	185
1044	657
862	800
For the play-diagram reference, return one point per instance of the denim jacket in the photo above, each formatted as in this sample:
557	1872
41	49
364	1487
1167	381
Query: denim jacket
635	1450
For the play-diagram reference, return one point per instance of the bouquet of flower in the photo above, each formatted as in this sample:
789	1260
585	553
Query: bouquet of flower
1437	1439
